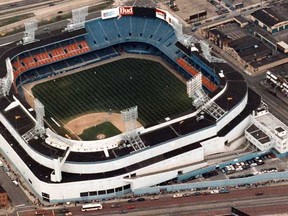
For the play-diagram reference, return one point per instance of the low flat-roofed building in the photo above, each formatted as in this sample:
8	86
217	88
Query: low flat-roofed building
282	46
267	131
258	137
218	37
272	19
3	197
241	21
247	50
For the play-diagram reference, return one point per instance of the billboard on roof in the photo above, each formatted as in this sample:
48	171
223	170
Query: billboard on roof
125	11
110	13
161	14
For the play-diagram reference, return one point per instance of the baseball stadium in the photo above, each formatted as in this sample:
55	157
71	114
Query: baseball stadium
118	105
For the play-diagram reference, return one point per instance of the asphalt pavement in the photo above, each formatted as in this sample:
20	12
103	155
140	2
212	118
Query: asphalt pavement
15	193
56	26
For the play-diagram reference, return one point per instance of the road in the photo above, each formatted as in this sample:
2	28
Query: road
15	193
52	27
273	200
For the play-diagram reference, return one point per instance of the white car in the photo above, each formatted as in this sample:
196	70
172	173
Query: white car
214	191
177	195
154	198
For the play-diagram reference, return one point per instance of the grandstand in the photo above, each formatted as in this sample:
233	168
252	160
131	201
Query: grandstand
58	168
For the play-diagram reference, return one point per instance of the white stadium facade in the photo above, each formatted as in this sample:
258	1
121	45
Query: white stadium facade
58	169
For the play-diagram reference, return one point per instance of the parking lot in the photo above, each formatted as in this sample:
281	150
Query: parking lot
188	8
240	169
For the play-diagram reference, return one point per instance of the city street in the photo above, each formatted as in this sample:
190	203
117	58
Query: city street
273	200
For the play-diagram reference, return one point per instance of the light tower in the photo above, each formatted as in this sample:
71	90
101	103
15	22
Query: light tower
39	128
201	100
40	113
78	19
6	82
129	117
29	34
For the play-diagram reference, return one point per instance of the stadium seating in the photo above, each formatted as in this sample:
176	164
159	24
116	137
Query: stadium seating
49	54
206	82
134	34
135	29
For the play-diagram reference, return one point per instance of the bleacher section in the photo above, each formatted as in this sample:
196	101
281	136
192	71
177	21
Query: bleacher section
66	64
206	82
52	53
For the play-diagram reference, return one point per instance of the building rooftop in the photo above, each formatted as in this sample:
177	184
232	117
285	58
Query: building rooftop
250	49
257	29
241	19
232	30
269	16
271	122
258	134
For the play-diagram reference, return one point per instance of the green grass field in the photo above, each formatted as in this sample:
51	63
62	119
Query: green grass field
116	86
106	128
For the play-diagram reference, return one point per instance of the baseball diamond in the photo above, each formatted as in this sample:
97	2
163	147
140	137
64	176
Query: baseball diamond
116	86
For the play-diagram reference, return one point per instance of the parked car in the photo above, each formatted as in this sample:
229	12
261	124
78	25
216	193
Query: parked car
40	212
187	195
259	193
214	191
131	200
141	199
177	195
116	205
123	211
193	28
223	190
64	210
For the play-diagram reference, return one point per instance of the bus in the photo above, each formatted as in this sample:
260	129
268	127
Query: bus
91	207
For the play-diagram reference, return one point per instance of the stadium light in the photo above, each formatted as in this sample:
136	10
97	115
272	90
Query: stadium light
29	34
40	113
200	99
129	117
6	82
78	19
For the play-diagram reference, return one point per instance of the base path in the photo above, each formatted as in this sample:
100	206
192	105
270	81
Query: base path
78	125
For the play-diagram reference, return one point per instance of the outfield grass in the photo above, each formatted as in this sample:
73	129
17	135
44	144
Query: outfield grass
116	86
106	128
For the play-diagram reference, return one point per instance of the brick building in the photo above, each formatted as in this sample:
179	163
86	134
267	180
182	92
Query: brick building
3	197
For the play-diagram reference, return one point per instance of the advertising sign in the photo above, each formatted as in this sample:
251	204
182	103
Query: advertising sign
161	14
110	13
125	11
